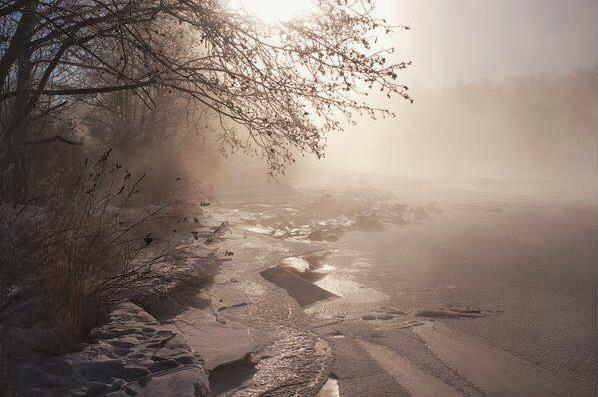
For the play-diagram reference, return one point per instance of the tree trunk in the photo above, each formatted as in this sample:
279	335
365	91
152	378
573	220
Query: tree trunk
17	159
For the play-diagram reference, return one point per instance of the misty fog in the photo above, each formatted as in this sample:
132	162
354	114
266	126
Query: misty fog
377	198
503	91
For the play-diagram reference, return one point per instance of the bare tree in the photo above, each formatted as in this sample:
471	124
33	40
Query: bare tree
272	89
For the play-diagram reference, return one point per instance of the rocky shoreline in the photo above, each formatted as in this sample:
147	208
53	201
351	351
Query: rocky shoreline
251	329
237	334
132	354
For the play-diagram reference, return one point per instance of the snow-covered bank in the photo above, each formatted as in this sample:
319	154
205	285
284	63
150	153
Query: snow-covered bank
131	355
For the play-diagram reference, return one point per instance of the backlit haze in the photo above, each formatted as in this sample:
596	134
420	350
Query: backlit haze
503	90
272	12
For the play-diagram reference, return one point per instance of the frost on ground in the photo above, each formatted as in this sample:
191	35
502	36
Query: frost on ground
131	355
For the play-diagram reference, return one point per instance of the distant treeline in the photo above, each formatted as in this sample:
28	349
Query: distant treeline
534	127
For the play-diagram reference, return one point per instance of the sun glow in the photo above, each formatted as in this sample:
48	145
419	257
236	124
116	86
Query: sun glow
273	11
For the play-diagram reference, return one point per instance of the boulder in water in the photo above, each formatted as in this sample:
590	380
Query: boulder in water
368	223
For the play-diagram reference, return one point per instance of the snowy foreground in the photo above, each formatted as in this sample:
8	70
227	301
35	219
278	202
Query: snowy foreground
295	307
249	332
130	355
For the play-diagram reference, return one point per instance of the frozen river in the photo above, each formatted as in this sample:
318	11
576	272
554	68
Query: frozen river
531	264
478	294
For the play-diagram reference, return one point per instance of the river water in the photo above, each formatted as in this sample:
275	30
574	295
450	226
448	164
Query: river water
531	262
525	265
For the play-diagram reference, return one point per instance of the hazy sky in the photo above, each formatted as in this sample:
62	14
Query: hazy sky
468	40
453	40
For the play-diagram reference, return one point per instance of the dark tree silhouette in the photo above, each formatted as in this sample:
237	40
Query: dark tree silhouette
272	89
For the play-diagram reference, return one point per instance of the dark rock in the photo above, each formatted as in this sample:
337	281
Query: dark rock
132	373
186	360
101	370
449	313
321	235
419	213
303	291
97	389
368	223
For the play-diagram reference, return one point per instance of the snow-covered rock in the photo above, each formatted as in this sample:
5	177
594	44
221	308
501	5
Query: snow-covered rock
131	355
